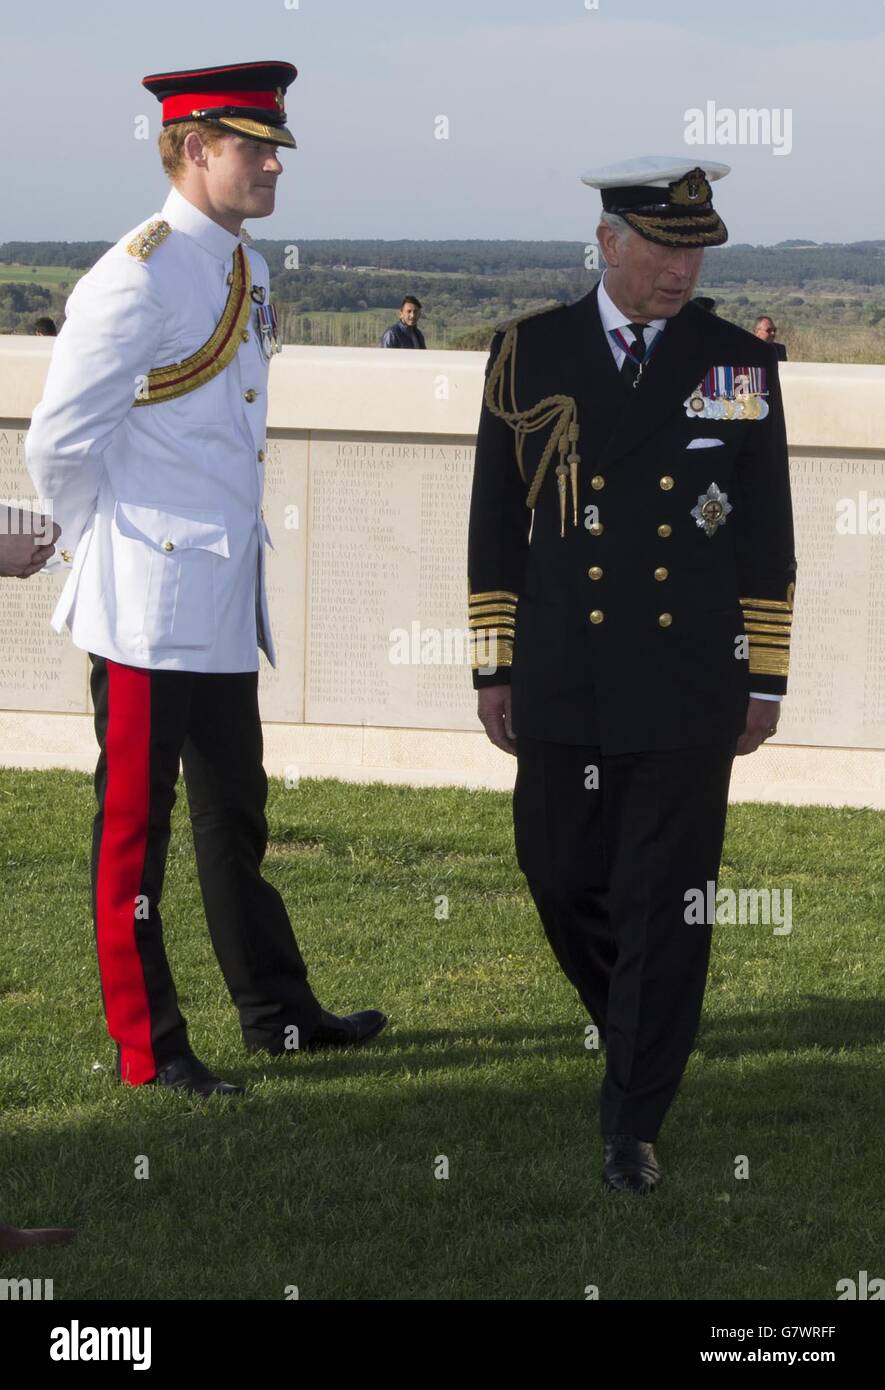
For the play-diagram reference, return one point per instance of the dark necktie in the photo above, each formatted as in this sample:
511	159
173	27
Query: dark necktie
629	368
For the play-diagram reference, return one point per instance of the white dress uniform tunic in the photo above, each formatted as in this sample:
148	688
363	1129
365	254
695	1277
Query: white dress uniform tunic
149	446
159	505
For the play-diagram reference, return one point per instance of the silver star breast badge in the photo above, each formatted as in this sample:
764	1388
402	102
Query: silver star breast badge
712	509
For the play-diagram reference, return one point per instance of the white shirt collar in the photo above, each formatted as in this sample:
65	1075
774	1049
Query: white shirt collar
612	317
184	217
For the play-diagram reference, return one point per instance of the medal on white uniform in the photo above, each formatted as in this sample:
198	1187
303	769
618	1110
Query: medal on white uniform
268	330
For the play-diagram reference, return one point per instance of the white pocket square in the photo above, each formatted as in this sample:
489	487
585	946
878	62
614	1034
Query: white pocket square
704	443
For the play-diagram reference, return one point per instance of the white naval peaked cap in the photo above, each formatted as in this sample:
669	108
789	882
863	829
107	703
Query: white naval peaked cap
652	171
665	199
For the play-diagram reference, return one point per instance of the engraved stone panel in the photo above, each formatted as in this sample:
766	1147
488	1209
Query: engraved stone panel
837	665
387	587
281	691
39	669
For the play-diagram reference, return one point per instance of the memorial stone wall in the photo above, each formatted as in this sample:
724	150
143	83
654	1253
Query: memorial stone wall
367	589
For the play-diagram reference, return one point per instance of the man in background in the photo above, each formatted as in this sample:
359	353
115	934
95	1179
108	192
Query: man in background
44	327
766	330
405	333
26	543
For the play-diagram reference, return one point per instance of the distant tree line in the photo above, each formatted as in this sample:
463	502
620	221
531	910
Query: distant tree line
790	263
79	255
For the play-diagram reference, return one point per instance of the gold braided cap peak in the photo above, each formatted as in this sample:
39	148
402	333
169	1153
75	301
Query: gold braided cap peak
145	242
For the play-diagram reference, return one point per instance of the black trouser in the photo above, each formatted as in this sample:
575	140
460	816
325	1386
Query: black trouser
145	722
609	868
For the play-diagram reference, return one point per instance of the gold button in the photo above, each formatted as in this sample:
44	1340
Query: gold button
245	335
661	573
665	530
261	456
167	545
597	482
67	556
250	395
595	572
596	529
665	619
666	482
597	615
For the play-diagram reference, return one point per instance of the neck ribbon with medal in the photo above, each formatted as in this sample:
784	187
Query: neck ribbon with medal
268	327
641	362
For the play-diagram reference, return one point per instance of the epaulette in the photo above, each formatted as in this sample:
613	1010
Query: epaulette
531	314
148	239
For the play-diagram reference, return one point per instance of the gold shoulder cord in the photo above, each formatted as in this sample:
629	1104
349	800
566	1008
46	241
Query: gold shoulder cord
179	378
560	412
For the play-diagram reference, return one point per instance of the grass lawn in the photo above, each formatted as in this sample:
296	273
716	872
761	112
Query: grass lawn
323	1177
49	275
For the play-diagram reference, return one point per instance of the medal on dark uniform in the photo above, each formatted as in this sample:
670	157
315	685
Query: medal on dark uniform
712	508
729	393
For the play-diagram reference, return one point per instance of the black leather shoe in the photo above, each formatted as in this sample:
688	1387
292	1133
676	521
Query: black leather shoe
629	1164
189	1074
332	1031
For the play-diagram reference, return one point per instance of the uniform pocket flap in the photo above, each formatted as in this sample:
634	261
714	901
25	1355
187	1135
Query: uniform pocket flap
171	531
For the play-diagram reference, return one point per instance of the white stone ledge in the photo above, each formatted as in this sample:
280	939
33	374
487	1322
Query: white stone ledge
441	758
382	391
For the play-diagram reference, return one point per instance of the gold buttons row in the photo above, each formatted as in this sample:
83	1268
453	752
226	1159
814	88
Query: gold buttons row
597	528
598	616
596	572
597	482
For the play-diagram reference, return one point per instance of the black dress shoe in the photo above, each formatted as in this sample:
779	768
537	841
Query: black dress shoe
189	1074
332	1031
629	1164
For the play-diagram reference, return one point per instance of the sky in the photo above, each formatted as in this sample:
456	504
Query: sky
535	93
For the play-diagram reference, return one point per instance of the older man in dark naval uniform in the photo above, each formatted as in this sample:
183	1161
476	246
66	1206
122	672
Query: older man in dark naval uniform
631	575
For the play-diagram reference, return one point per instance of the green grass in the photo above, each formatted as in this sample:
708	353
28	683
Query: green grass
323	1176
49	275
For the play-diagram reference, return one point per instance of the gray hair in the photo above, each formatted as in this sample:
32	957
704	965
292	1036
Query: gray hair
616	223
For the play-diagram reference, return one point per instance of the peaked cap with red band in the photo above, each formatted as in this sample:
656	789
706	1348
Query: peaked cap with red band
248	98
